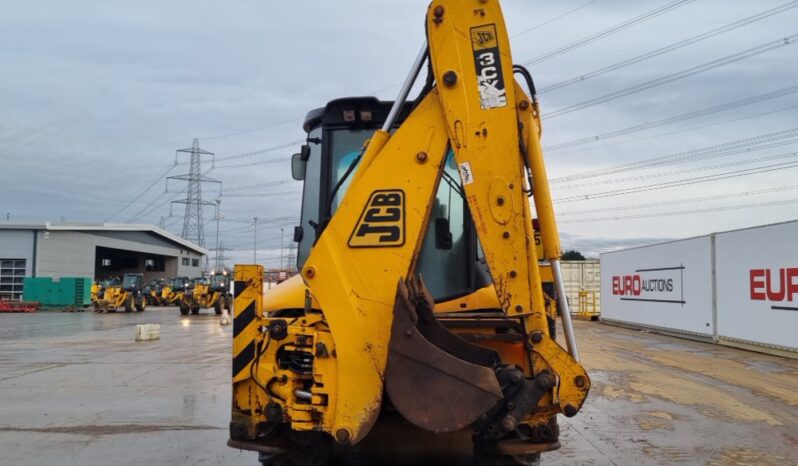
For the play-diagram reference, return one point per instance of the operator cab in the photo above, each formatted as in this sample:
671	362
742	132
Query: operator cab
451	261
218	282
132	282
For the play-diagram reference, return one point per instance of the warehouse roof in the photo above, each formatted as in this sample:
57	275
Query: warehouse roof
105	227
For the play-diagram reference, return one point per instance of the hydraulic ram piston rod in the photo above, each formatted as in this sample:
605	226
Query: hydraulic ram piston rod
405	90
565	311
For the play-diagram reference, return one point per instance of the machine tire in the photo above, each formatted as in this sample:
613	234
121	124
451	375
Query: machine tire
183	309
195	310
141	305
218	305
130	303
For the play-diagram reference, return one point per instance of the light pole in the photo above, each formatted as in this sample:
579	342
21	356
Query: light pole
281	248
255	242
218	219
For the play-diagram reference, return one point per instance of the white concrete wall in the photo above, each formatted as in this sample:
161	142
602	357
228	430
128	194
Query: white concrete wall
73	254
65	254
17	244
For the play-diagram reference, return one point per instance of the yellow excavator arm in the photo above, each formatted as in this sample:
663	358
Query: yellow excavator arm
367	327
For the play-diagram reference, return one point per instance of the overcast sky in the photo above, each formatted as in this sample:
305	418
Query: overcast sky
97	96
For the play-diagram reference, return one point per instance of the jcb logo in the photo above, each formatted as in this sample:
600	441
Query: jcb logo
484	37
382	223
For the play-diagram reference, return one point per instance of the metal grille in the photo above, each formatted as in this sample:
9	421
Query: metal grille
12	274
80	285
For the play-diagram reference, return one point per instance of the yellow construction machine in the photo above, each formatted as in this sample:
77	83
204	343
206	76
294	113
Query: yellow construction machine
173	290
421	316
154	292
205	293
97	288
127	293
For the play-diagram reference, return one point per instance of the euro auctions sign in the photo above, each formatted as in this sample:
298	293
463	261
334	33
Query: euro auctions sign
666	285
779	287
660	285
757	285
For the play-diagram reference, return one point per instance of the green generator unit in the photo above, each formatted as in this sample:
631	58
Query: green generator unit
66	291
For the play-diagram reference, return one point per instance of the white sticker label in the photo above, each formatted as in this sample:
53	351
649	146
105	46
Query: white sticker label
466	176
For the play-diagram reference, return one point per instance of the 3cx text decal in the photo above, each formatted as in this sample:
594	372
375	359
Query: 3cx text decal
382	223
661	285
490	80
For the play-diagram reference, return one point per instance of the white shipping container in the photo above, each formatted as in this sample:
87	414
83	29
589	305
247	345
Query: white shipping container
757	285
583	276
664	286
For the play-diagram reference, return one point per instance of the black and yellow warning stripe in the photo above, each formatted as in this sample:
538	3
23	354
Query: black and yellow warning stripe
247	309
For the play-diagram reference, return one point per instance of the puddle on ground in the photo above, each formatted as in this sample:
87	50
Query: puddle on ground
741	456
655	420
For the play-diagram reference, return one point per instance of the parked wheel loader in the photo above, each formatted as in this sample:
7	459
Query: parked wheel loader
206	293
127	293
173	291
153	292
98	289
421	320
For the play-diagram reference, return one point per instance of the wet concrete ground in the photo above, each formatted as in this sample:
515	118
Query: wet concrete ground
75	389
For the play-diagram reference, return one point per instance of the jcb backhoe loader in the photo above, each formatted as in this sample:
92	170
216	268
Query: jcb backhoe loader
419	316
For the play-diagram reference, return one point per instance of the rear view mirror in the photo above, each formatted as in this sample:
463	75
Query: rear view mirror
299	163
443	234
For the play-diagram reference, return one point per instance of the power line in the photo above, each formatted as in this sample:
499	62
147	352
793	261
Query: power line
280	159
670	48
679	201
265	150
684	182
146	210
679	131
248	131
610	31
549	21
161	175
685	212
257	186
675	119
736	163
282	193
741	145
729	59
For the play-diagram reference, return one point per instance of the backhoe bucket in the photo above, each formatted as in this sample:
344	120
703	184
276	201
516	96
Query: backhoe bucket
435	379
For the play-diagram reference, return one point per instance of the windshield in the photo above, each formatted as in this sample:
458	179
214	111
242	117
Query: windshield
218	280
448	262
310	198
448	254
346	147
130	281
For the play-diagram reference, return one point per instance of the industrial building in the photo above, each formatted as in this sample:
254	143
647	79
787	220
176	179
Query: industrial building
98	251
